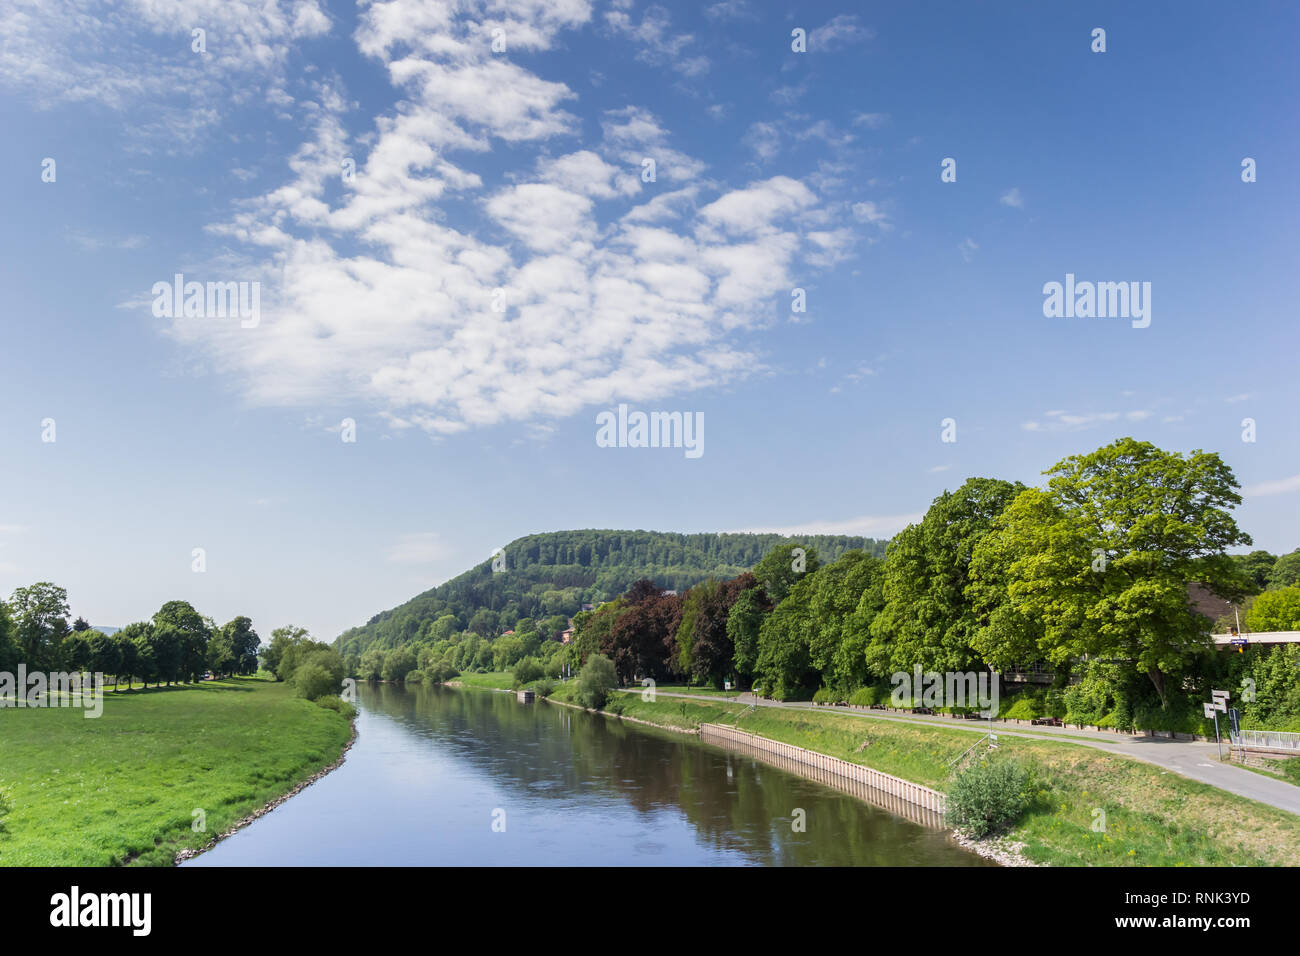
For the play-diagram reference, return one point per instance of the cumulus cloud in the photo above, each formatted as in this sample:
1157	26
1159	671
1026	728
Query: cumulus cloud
61	51
564	281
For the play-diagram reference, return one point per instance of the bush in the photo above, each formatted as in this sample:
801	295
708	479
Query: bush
988	796
312	680
595	681
528	670
330	702
545	687
416	676
866	696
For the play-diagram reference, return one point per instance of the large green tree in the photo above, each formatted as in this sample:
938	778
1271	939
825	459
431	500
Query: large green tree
927	617
1099	564
1276	610
40	623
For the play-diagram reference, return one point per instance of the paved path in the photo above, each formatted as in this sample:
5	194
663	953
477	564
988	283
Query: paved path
1194	759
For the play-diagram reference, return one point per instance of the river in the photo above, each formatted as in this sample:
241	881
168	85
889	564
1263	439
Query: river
445	776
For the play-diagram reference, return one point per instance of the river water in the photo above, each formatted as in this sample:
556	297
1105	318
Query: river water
445	776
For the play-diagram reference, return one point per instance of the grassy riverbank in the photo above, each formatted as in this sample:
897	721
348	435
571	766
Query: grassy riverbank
1152	817
123	787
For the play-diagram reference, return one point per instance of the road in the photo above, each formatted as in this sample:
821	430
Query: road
1193	759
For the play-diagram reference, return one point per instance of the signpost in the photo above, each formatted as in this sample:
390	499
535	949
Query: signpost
1220	703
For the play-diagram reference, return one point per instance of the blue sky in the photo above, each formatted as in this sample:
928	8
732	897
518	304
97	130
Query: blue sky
521	170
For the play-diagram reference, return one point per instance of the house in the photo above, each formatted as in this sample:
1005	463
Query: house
566	636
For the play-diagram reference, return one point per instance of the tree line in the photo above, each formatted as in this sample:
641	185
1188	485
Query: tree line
176	645
554	574
1087	578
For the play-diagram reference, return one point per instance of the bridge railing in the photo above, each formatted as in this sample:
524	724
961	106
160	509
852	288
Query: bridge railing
1266	740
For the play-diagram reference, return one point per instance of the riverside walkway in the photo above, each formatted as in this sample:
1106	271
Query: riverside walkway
1197	760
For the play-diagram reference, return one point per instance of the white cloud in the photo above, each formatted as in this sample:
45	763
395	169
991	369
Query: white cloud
373	298
138	55
658	44
1281	486
870	526
1059	420
838	33
1013	198
871	213
968	247
871	120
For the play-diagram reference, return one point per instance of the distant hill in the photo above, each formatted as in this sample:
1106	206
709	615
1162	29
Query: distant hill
558	572
105	630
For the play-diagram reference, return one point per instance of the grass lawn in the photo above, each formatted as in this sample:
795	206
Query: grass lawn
123	787
1152	817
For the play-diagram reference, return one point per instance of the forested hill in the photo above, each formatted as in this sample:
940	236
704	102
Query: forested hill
558	572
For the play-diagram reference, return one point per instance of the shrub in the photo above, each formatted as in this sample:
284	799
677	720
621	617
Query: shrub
330	702
312	680
1025	707
528	670
595	681
545	687
866	696
416	676
988	796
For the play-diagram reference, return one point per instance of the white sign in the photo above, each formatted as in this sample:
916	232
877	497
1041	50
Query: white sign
1209	710
1220	694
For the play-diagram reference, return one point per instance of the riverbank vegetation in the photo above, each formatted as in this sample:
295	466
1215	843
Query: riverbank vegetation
133	784
1082	806
1088	582
1087	593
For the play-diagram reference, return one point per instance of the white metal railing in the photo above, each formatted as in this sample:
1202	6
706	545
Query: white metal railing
1267	740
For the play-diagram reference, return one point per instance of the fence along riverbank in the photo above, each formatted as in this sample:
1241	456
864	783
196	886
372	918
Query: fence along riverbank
913	801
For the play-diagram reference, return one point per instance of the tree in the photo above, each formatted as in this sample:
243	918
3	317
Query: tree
846	597
8	648
784	667
139	634
282	638
1102	560
128	652
105	654
40	622
743	624
927	617
240	643
782	567
1256	566
595	681
1277	610
76	651
178	622
398	662
1286	572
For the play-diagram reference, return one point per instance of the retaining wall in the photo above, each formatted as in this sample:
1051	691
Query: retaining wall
918	803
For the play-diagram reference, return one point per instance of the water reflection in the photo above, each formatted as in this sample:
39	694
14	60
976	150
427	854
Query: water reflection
432	764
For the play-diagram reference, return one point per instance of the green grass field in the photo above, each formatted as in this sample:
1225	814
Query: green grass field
123	787
1152	818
